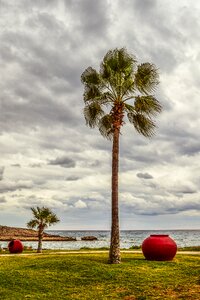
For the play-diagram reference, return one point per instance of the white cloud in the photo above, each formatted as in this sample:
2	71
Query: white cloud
80	204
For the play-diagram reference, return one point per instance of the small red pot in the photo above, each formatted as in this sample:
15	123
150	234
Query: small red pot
159	247
15	246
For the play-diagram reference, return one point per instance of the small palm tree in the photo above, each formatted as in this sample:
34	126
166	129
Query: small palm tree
43	217
120	91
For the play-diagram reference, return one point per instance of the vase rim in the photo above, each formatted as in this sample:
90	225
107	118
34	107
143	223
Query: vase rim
159	235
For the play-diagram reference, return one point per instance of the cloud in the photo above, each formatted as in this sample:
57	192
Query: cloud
72	178
42	124
180	189
16	165
2	200
63	161
80	204
144	175
11	186
158	205
36	165
1	172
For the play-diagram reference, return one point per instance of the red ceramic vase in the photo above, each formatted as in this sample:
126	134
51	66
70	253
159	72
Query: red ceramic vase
15	246
159	247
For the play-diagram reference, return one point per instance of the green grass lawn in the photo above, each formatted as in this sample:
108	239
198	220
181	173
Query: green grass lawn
89	276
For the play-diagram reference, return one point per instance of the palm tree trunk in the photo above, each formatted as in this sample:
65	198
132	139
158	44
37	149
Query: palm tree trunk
114	255
40	237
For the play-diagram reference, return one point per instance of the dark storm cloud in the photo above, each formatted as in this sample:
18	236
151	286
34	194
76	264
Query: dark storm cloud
157	30
149	157
26	97
1	172
182	140
91	16
45	46
182	190
72	178
144	7
152	207
45	64
63	161
38	110
190	148
2	200
14	186
35	165
16	165
144	175
37	59
184	207
151	13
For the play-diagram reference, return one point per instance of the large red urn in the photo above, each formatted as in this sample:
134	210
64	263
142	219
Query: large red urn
15	246
159	247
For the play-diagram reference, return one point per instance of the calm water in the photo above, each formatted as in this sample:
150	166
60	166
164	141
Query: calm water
129	238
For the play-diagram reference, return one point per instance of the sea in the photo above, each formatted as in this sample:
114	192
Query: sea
128	238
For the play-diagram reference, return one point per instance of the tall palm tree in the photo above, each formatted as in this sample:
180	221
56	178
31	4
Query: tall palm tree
120	91
43	217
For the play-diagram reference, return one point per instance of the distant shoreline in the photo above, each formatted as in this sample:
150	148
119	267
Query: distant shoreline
10	233
108	230
35	239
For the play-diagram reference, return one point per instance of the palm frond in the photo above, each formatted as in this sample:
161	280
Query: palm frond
148	105
106	127
94	93
32	223
45	213
128	87
92	113
53	219
90	76
35	211
43	217
142	124
129	108
117	69
146	78
91	92
117	61
106	98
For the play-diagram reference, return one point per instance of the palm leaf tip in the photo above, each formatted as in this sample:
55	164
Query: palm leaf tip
90	76
92	113
146	78
148	105
143	125
32	224
106	126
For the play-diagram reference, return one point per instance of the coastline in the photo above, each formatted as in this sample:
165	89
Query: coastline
35	239
73	239
12	233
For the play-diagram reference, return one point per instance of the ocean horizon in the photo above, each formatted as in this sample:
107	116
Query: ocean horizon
128	238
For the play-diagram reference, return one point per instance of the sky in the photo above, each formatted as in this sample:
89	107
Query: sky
49	157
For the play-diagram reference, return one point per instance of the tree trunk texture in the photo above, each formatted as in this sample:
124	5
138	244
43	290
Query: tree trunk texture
40	237
114	255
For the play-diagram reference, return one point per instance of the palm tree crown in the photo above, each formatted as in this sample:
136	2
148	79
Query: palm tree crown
43	217
121	80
